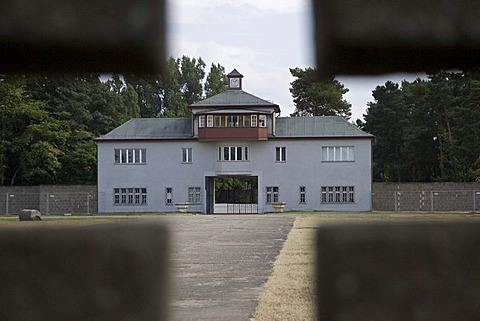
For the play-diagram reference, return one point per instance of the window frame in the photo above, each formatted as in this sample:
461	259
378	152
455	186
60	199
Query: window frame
302	190
129	156
281	154
187	155
168	196
271	194
130	196
253	121
230	153
209	121
194	195
337	194
337	154
201	121
262	121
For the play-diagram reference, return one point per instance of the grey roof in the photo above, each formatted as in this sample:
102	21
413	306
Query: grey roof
286	127
234	73
328	126
239	110
235	98
152	128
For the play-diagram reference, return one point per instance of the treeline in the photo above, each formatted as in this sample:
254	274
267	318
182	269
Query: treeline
48	123
427	130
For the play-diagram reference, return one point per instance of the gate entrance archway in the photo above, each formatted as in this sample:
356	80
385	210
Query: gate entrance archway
235	194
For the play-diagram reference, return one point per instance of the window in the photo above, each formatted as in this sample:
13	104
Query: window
137	195
219	121
272	194
303	195
130	196
168	196
187	155
209	120
201	121
229	121
351	194
338	154
280	154
130	156
337	194
262	121
194	195
233	153
233	121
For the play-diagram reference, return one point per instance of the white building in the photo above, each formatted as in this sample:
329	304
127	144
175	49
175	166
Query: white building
234	155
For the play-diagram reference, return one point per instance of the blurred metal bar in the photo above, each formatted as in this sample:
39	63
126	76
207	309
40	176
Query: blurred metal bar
82	36
380	36
398	271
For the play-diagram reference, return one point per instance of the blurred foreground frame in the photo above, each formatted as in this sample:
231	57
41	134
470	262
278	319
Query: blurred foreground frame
368	37
396	271
48	36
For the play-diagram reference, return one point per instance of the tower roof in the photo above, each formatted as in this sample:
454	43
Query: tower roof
236	98
234	73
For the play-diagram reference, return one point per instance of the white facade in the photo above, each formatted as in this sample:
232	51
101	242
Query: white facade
311	164
303	167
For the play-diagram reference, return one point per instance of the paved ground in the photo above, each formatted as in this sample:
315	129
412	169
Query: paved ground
220	262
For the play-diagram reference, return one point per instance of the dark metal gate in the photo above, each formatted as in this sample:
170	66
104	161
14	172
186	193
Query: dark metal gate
236	194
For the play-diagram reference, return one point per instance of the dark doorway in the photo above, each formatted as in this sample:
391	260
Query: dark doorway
236	194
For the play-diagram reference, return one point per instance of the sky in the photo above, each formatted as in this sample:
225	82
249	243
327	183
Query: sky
262	40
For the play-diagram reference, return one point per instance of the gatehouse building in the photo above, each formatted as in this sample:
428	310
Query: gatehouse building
235	154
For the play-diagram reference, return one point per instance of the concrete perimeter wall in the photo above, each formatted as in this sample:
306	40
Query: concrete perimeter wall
426	196
82	199
49	199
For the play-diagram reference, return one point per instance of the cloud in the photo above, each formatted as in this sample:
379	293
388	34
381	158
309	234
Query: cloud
261	39
221	11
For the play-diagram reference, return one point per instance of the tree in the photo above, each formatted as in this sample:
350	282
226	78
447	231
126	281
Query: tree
216	82
318	98
427	130
150	93
192	72
385	118
48	123
175	102
31	142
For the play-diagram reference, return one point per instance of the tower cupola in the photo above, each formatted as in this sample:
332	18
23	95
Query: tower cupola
234	80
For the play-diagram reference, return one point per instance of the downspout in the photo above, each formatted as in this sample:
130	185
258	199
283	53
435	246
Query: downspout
274	122
193	122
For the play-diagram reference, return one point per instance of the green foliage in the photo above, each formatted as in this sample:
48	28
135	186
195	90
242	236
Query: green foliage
216	82
318	98
426	130
31	141
48	123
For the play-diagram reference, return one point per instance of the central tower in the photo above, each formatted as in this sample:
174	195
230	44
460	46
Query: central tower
234	80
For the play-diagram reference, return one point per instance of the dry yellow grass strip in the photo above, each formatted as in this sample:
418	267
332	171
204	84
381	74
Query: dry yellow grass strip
289	292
